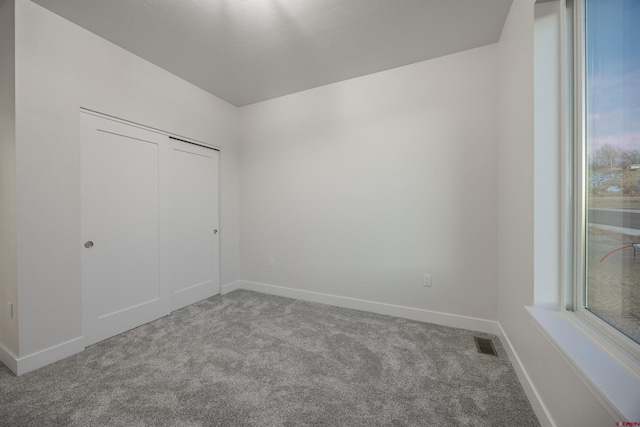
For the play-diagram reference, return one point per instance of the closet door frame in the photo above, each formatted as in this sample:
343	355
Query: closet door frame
164	207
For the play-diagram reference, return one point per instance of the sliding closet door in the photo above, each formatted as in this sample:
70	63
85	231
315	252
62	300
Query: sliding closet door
121	165
193	223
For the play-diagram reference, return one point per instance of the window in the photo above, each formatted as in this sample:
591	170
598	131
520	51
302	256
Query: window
608	168
606	359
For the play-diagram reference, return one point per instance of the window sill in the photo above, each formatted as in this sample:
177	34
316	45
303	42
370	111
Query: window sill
613	382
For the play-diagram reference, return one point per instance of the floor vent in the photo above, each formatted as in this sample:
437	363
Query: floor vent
485	346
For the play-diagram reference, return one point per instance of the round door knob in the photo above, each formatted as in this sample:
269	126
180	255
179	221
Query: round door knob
88	244
215	231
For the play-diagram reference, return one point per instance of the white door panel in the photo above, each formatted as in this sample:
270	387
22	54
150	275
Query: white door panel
193	239
120	215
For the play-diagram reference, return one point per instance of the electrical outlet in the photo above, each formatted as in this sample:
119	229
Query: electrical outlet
427	280
272	262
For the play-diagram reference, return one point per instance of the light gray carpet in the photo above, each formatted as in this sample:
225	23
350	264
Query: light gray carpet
248	359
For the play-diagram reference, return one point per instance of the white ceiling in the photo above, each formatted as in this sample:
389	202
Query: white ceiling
246	51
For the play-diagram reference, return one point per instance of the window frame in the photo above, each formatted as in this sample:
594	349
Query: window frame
576	296
611	377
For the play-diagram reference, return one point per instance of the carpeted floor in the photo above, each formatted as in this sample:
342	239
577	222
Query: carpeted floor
248	359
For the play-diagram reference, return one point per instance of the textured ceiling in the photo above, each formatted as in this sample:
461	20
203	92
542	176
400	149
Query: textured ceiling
246	51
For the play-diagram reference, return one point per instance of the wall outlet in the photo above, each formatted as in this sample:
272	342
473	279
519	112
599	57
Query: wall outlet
272	262
427	280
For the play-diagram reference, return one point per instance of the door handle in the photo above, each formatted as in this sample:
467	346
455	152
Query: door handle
215	231
88	244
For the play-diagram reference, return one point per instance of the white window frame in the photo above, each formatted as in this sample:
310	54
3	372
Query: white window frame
606	369
618	341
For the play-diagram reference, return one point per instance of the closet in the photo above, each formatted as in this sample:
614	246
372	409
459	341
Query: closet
149	206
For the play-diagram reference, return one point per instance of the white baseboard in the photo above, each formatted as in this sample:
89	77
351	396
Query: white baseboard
540	409
9	359
444	319
229	287
49	355
421	315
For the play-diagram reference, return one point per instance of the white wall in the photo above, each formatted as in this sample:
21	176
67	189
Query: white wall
566	398
360	187
60	68
8	264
